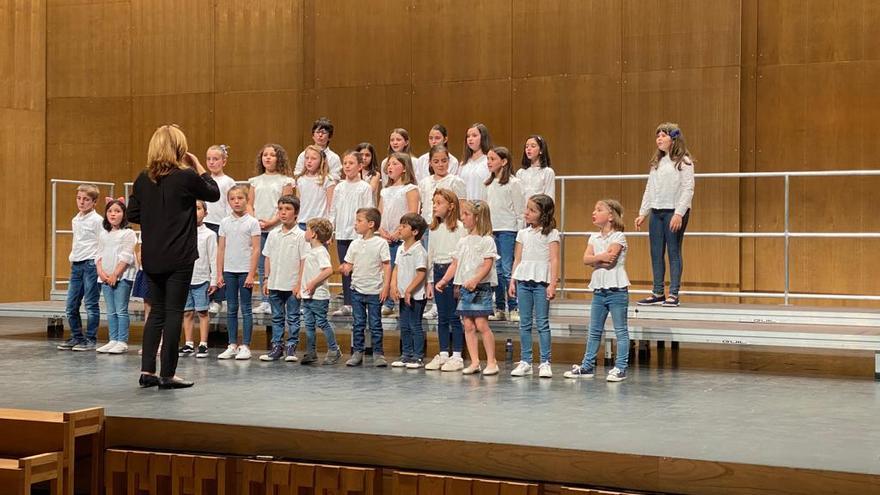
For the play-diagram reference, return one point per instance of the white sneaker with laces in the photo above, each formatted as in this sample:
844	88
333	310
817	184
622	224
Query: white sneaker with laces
244	353
545	371
616	375
398	364
431	314
453	364
214	308
522	369
119	348
342	311
229	353
106	347
263	309
436	363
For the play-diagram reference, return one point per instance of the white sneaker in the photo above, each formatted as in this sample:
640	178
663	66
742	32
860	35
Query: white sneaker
229	353
616	375
214	308
387	311
545	371
514	315
119	348
498	316
398	364
106	347
263	309
453	364
522	369
342	311
243	353
431	314
436	363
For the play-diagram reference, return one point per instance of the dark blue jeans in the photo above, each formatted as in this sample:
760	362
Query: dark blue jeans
83	285
315	314
261	266
238	293
342	249
285	311
505	243
448	324
392	246
364	306
412	335
662	240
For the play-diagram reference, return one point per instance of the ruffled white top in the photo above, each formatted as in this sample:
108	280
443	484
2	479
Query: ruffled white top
534	263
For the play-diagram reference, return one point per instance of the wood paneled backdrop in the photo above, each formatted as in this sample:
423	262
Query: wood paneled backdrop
763	85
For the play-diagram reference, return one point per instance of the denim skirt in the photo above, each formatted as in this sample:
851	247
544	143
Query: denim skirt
477	302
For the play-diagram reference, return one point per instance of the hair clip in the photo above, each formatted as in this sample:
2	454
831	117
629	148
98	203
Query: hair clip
674	133
107	200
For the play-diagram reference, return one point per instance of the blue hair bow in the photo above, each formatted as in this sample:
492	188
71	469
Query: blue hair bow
675	133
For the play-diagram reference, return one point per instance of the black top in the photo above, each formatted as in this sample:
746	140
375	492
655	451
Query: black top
166	212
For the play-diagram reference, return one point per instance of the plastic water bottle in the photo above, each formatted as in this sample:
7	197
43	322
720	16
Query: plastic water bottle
508	351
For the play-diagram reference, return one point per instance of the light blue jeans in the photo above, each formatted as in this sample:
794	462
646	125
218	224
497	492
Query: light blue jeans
116	299
533	303
614	301
505	244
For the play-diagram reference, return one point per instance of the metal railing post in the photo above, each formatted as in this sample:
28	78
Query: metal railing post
785	256
562	244
54	235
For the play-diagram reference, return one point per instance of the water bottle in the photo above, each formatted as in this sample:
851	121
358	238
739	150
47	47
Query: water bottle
508	351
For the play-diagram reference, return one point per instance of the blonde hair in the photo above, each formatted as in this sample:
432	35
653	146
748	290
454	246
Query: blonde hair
678	151
451	220
222	148
482	216
616	210
90	190
166	151
409	177
239	188
323	168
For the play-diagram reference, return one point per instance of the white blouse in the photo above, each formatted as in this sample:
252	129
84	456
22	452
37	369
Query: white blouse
506	205
534	263
348	197
474	174
609	278
537	180
422	166
218	210
668	187
429	184
442	246
117	246
394	205
471	252
267	190
312	197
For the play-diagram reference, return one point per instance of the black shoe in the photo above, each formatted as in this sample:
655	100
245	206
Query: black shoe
147	381
653	300
166	383
186	350
308	358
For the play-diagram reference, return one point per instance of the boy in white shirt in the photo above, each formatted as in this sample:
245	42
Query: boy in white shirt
285	250
315	291
202	285
83	272
368	261
408	287
322	133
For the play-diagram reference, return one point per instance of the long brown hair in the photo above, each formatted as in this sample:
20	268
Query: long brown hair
281	163
166	151
678	151
409	177
504	177
451	220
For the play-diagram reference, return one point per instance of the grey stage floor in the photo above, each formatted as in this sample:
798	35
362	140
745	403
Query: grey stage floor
814	423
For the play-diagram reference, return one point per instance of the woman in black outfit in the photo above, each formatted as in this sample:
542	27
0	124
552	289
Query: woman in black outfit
163	202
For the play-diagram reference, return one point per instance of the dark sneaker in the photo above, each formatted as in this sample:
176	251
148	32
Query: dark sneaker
186	350
671	302
275	354
85	345
652	300
616	375
202	352
290	354
309	358
332	357
415	364
69	343
356	359
578	372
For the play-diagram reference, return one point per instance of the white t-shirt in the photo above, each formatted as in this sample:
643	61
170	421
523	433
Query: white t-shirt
534	264
471	252
429	184
474	174
394	205
267	190
238	232
506	205
537	180
668	187
366	257
422	166
348	197
312	197
609	278
117	246
205	268
220	209
285	250
333	163
442	246
317	259
409	262
86	229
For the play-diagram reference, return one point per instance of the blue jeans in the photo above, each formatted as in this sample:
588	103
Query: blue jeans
392	246
364	306
662	239
315	314
116	299
533	302
219	295
83	285
412	335
342	246
237	290
448	324
285	310
608	301
505	243
261	265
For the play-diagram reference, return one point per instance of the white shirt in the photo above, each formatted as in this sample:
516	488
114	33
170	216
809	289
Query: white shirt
471	252
422	166
312	197
537	180
285	250
205	268
85	236
429	184
534	263
506	205
394	205
442	246
220	209
348	197
366	257
668	187
409	262
117	246
474	174
609	278
316	260
238	232
333	163
267	190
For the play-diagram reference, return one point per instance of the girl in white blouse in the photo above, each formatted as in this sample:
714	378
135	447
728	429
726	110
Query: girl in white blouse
474	169
370	172
315	186
506	202
399	197
667	200
535	272
606	253
398	142
116	271
536	175
437	136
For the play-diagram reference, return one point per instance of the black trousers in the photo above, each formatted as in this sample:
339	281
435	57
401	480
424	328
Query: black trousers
168	292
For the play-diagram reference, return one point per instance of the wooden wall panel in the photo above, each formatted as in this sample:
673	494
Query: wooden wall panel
76	33
172	47
680	34
562	37
23	54
357	46
259	45
194	113
459	40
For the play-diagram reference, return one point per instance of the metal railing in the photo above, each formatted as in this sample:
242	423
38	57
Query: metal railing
786	234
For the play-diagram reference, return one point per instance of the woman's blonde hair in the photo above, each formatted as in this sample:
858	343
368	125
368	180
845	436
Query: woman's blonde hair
323	167
166	151
451	220
616	210
678	151
482	217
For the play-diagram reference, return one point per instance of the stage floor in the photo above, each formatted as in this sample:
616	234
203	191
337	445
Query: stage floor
815	423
